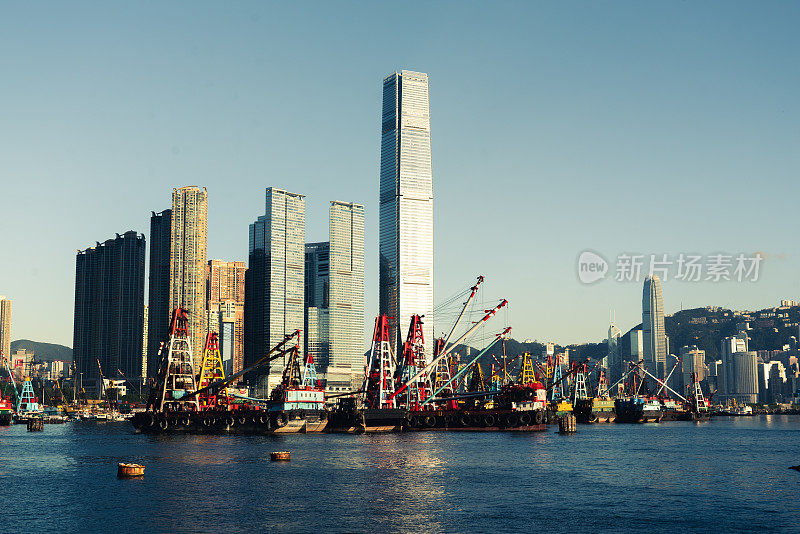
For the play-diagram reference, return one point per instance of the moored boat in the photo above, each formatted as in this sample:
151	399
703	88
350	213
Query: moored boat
638	410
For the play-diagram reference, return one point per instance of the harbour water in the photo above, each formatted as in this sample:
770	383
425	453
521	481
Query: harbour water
726	475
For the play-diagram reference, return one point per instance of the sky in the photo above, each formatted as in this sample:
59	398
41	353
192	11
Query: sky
616	127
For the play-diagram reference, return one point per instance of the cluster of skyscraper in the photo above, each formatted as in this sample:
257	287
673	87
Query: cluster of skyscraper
288	284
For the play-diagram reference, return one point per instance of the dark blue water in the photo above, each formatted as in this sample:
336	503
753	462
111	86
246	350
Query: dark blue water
727	475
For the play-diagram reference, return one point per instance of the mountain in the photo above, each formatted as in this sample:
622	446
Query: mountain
47	352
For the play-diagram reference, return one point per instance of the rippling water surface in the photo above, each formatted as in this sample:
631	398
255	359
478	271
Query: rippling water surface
722	476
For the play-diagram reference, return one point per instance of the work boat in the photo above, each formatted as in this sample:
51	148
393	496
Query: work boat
638	410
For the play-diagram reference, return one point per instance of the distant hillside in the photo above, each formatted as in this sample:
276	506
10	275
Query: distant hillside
43	351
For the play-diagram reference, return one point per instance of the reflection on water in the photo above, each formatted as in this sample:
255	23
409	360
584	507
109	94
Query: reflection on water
712	476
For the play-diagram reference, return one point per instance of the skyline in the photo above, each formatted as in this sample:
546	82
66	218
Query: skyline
564	134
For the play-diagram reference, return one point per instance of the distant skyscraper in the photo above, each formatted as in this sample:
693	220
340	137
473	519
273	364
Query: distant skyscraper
225	294
406	204
654	335
317	302
109	309
612	361
158	310
189	258
145	318
335	297
5	327
275	279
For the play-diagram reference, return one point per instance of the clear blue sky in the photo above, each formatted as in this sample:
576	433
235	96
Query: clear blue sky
615	126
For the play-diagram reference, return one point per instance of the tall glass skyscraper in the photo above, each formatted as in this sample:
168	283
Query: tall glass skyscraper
406	204
346	297
274	282
654	334
335	298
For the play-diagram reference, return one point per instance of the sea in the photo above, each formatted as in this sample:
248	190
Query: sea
725	475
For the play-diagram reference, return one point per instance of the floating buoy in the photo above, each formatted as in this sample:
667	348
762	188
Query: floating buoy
129	470
279	456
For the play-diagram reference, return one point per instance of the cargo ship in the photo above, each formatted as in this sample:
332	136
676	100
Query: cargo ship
637	410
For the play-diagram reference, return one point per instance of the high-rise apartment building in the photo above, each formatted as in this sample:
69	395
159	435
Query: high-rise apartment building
653	332
406	204
5	327
335	298
275	280
158	310
225	295
109	309
188	252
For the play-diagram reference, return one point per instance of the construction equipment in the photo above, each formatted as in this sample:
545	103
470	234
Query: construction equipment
379	384
176	387
211	369
526	372
413	360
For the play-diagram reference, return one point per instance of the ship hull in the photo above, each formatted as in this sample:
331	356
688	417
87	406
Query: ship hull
244	421
477	420
588	411
630	412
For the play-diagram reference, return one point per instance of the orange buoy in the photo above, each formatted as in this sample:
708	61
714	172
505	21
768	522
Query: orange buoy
279	456
130	470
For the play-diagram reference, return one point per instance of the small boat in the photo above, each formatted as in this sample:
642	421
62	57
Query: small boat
129	470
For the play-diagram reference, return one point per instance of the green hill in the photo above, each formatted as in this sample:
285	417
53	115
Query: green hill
47	352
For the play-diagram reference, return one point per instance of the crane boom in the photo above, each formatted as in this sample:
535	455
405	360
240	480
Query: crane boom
268	357
432	365
466	304
651	375
468	366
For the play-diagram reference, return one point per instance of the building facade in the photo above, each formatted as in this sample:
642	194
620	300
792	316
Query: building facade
188	253
225	294
728	347
5	327
109	309
158	310
335	298
612	362
653	332
693	360
406	205
275	282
